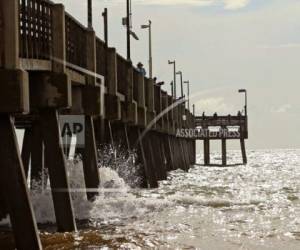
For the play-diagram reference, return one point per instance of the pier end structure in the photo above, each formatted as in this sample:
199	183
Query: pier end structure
222	128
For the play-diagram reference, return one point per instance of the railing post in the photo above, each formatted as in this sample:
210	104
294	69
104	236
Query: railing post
141	102
10	13
131	109
129	80
13	78
59	39
112	76
91	56
150	96
141	91
112	101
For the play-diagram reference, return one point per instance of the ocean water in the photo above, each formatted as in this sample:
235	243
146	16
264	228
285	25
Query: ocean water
256	206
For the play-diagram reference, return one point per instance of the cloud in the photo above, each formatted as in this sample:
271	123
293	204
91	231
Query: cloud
214	104
235	4
227	4
176	2
283	108
281	46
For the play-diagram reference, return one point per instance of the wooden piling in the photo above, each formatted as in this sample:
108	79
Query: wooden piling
224	152
157	152
136	145
243	149
206	151
178	153
168	153
90	164
14	189
150	161
56	164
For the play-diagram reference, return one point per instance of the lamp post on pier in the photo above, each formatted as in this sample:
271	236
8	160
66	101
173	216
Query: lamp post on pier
149	27
181	82
188	93
245	92
174	75
126	21
172	88
90	15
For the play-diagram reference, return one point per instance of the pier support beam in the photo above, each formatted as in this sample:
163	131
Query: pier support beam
158	156
168	153
243	149
14	189
206	151
150	159
137	146
184	154
90	164
224	152
56	164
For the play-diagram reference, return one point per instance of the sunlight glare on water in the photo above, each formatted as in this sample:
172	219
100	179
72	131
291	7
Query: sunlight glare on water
239	207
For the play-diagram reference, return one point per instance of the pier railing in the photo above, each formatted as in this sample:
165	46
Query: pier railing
75	42
35	29
101	56
41	47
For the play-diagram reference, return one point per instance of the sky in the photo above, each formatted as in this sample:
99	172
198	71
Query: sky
220	46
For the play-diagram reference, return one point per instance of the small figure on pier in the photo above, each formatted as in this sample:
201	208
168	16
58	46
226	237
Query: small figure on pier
215	115
141	69
157	83
203	115
239	113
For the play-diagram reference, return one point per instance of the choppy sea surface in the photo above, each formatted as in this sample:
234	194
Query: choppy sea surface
256	206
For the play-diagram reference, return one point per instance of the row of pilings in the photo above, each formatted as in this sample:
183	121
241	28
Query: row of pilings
56	67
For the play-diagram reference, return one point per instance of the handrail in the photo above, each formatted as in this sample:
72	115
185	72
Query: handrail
35	29
101	52
136	84
146	80
75	42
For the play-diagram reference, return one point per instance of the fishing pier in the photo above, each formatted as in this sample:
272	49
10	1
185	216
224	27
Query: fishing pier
53	66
